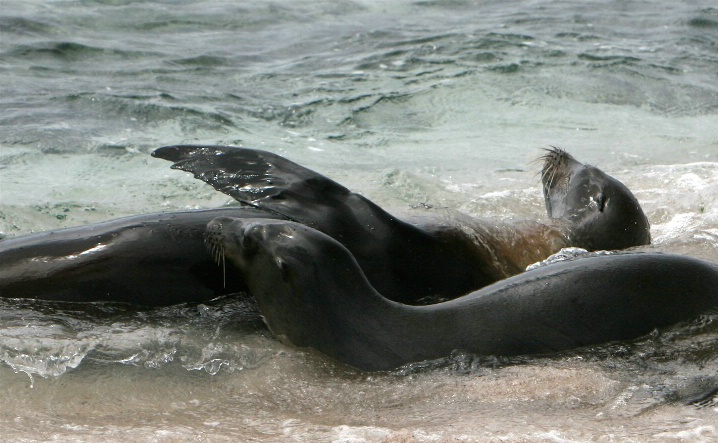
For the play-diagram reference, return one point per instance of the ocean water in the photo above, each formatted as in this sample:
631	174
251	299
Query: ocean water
415	104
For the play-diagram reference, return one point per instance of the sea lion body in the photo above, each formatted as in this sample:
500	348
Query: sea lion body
152	259
312	293
160	259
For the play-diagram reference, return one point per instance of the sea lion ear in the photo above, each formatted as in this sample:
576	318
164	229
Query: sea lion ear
247	243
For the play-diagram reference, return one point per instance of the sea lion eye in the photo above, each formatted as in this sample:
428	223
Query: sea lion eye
601	201
247	243
283	268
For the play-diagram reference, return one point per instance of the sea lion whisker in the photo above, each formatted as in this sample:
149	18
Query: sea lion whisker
219	254
554	159
556	150
216	251
537	160
545	171
552	171
551	161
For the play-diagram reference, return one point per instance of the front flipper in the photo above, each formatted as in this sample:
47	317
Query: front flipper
274	184
256	178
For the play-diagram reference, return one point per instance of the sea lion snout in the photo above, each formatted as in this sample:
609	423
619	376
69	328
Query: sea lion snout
241	239
232	237
214	238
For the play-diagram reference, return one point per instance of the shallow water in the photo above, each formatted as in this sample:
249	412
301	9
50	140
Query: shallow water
413	104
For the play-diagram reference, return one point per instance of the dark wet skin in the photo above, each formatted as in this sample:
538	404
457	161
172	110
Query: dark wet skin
160	259
312	293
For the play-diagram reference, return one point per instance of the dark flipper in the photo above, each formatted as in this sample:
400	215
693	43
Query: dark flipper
256	178
272	183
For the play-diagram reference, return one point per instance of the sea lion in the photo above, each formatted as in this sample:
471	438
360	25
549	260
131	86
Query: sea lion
159	259
312	293
408	261
151	260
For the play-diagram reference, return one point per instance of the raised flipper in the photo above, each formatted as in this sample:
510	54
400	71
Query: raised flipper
258	178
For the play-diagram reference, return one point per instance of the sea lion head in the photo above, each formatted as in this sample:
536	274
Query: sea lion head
254	246
292	270
601	213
